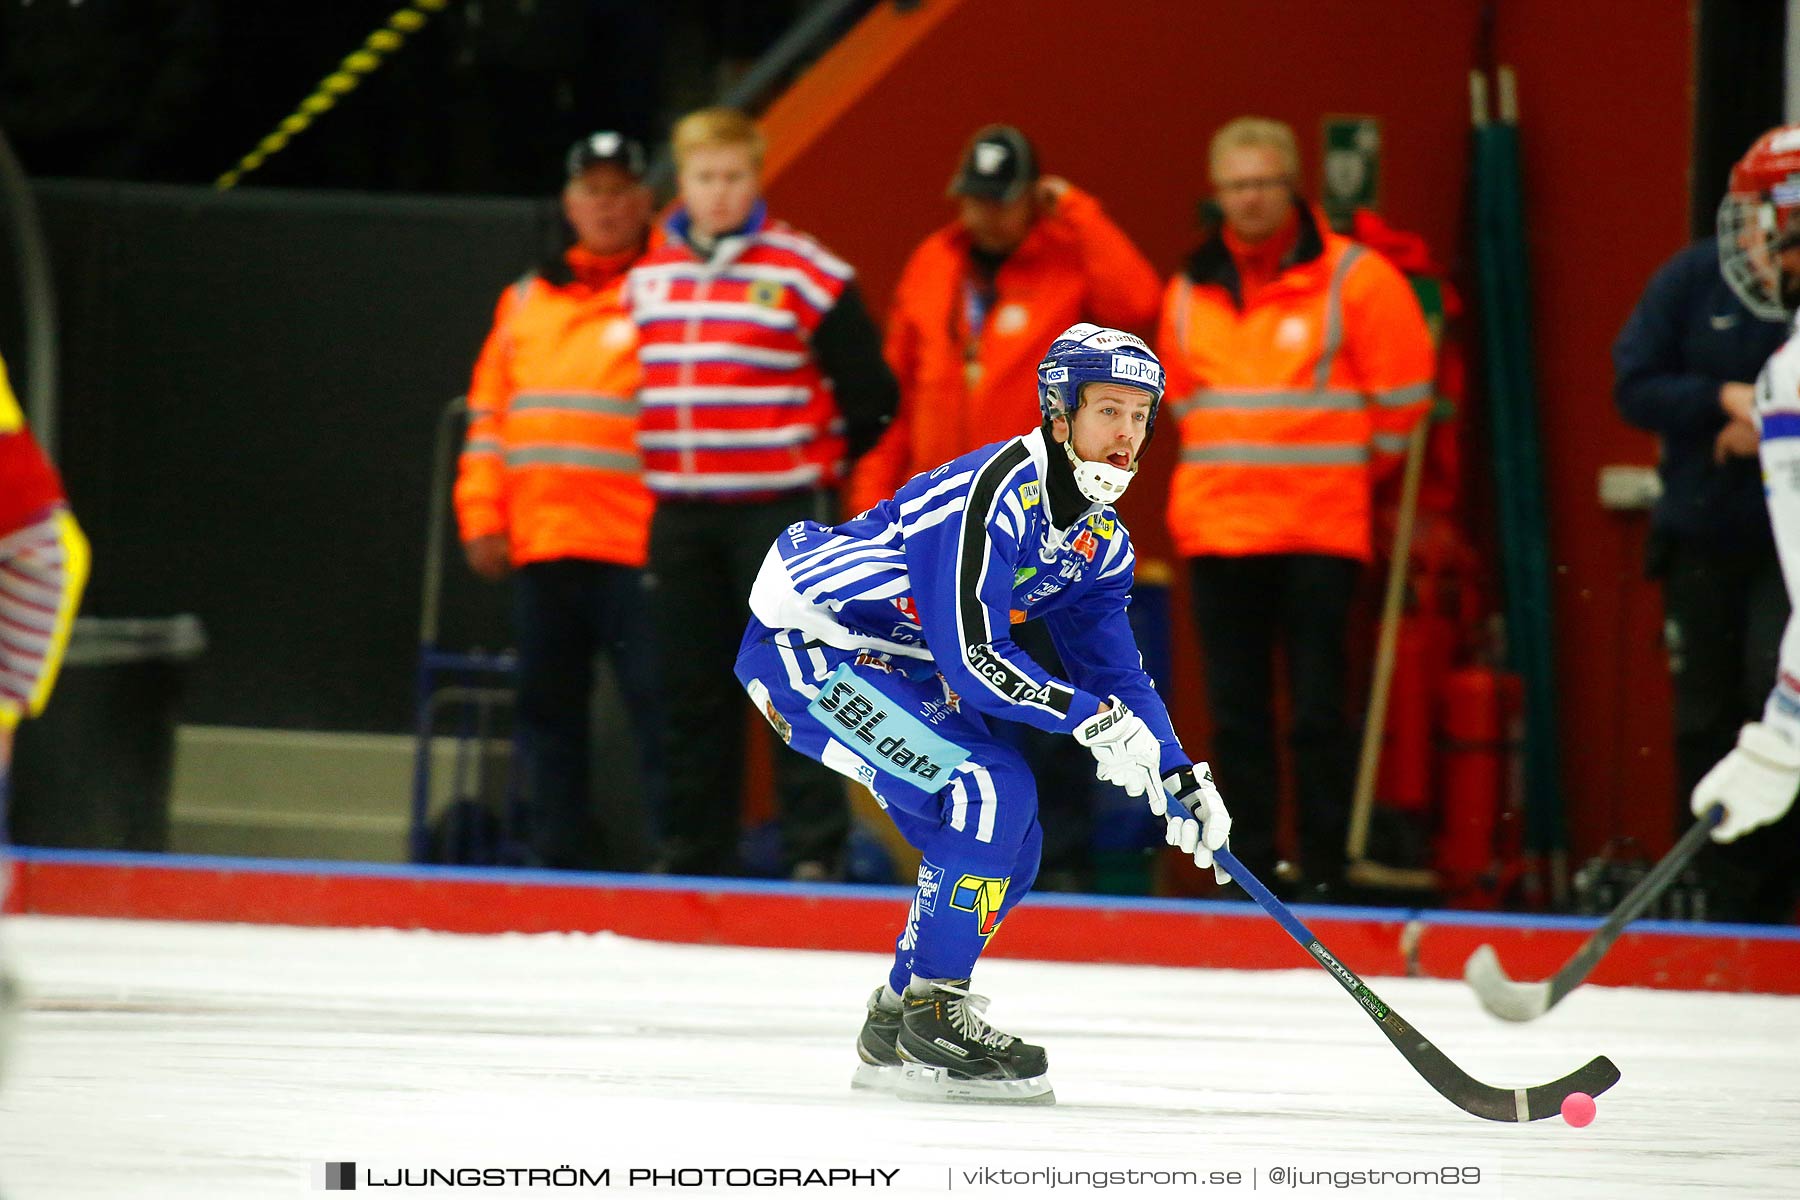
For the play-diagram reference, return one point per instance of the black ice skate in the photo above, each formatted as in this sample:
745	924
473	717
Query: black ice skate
949	1052
880	1069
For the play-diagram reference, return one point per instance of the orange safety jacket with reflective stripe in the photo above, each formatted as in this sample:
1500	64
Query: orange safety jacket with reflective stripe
958	393
551	456
1292	405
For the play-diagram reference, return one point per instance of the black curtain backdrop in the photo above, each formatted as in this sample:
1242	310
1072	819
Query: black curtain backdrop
250	387
1739	92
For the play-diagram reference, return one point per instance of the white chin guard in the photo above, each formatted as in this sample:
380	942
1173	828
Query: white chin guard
1100	482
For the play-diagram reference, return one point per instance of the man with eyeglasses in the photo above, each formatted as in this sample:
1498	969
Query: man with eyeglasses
1298	361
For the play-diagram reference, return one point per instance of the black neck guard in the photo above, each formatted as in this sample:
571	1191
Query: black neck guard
1065	499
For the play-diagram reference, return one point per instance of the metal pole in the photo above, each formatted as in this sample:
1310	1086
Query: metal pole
443	463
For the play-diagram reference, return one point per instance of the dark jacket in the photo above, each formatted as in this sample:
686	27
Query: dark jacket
1688	335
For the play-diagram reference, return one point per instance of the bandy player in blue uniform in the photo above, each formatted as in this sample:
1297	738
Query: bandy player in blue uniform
882	647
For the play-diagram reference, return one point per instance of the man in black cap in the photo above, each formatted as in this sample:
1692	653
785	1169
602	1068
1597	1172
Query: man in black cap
997	190
550	491
1028	256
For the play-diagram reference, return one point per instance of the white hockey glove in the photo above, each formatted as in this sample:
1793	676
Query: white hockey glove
1198	821
1126	753
1755	782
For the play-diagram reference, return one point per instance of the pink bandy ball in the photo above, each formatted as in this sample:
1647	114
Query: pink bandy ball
1578	1109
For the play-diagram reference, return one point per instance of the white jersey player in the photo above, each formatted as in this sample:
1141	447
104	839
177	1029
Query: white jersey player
1759	255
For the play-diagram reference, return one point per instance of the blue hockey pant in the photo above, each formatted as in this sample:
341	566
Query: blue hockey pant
962	797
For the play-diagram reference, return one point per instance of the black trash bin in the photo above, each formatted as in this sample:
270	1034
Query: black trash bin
94	771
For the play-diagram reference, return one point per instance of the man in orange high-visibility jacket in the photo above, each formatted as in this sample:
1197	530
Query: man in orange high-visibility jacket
1298	363
549	489
1026	258
43	567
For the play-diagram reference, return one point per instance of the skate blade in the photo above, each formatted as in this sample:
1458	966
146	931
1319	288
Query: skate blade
872	1078
935	1084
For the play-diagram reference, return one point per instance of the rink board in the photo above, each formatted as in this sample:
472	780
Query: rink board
1052	927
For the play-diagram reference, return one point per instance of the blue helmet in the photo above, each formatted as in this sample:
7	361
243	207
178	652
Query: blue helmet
1083	354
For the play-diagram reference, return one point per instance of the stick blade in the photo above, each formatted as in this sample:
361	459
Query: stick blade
1522	1105
1546	1100
1490	1103
1499	994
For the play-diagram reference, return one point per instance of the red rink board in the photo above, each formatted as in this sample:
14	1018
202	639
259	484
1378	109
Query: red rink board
1088	929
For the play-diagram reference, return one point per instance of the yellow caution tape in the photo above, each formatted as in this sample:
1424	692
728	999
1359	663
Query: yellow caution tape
341	82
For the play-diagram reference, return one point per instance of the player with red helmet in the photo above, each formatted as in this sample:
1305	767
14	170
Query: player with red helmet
1759	225
1759	254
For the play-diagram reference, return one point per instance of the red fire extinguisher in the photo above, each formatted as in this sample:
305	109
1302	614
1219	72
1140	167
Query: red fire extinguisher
1423	648
1475	767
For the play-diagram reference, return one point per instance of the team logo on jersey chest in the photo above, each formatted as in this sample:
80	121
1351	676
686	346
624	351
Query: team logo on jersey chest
651	287
767	293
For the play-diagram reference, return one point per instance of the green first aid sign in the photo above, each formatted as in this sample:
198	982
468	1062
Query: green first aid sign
1350	174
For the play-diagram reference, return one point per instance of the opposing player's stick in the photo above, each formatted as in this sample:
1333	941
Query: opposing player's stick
1433	1065
1513	1001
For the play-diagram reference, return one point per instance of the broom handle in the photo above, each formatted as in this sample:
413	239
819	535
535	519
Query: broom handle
1364	799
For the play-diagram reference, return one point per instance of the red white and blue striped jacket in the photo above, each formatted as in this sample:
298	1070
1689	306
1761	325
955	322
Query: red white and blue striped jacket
734	403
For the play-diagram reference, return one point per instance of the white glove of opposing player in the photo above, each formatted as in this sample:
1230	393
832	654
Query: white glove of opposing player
1198	821
1755	782
1125	752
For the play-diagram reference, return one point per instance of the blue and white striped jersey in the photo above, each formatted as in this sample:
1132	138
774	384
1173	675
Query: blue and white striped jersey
943	570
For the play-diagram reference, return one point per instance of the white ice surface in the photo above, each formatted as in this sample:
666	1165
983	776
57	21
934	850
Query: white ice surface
189	1060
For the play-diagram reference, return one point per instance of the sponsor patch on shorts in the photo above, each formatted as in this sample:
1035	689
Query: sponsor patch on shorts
931	882
883	731
982	896
759	695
